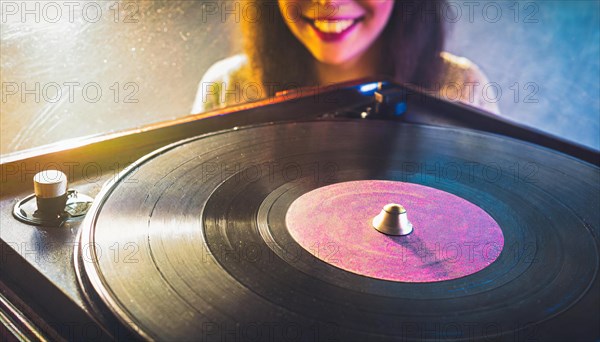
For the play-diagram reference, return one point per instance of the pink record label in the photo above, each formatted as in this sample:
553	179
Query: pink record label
451	236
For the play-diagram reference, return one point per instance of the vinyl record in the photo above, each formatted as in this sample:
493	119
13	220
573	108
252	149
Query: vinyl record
192	242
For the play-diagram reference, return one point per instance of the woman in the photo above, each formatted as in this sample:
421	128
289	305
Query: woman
320	42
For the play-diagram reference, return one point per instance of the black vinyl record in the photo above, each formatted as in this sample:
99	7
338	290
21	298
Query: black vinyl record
191	242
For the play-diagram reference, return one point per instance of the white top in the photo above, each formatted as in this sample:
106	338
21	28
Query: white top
462	81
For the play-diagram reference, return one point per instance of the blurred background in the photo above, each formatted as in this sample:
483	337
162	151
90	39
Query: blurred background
72	69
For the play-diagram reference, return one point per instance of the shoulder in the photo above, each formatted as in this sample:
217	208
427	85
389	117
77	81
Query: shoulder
224	68
219	76
462	80
458	69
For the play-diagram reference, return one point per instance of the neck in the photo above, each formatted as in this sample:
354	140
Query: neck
361	66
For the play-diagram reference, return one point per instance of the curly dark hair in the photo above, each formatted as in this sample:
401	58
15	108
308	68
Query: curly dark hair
413	39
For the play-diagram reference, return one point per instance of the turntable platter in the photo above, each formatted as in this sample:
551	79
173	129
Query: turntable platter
192	242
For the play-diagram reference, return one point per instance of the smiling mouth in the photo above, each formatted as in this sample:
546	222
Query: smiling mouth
333	26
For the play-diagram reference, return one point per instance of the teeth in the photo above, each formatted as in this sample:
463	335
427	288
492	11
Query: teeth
333	26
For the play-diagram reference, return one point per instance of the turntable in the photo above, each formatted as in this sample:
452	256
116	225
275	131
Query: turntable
366	211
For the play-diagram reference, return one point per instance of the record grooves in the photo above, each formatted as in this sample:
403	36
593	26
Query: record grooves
206	219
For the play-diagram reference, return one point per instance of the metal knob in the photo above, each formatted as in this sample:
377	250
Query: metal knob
50	187
393	220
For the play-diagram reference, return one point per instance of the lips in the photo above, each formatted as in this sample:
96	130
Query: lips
331	30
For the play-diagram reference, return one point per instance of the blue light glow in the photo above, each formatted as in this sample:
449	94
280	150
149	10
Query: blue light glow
369	87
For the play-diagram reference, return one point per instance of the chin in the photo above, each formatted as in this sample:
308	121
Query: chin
333	58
